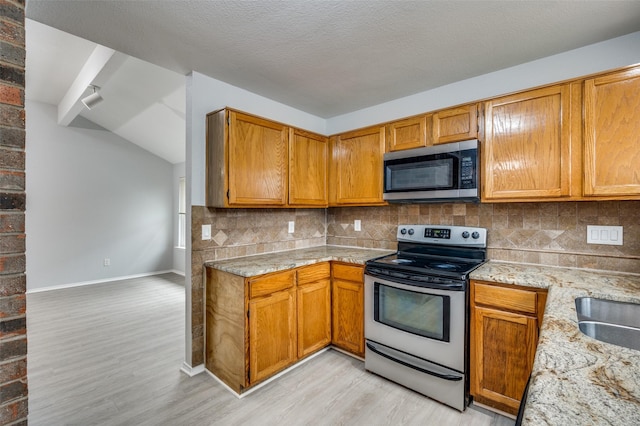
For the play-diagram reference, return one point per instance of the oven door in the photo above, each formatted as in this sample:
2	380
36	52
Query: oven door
424	322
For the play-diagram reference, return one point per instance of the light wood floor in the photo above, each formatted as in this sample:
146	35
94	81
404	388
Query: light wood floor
110	354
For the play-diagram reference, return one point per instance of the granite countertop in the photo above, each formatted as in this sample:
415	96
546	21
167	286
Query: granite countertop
250	266
576	380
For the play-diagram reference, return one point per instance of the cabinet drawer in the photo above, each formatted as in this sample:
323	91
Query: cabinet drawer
505	298
268	284
349	273
311	273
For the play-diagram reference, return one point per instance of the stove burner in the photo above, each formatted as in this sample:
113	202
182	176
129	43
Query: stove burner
402	261
449	266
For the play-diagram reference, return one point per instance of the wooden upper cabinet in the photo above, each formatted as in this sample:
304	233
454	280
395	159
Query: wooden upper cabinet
254	162
246	160
612	135
526	151
455	124
410	133
308	155
356	167
257	161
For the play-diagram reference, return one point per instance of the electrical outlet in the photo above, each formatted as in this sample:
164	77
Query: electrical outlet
609	235
357	225
106	262
206	232
292	226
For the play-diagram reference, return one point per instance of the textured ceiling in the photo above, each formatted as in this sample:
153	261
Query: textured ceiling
332	57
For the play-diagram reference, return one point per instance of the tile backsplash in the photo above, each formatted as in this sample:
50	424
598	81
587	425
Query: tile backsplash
552	234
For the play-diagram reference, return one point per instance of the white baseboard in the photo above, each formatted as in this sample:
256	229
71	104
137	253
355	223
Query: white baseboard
102	281
192	371
269	380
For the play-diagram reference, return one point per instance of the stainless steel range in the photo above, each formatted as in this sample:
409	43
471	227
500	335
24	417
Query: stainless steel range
416	310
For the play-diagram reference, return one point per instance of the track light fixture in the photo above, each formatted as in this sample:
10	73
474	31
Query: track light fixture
93	99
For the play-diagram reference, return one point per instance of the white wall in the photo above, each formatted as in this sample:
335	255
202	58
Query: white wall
178	253
92	195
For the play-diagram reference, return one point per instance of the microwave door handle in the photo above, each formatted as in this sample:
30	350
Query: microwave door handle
380	352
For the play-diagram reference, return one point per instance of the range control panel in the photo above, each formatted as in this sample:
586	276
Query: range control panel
443	234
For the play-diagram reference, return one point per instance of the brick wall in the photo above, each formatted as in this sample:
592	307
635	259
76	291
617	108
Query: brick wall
13	325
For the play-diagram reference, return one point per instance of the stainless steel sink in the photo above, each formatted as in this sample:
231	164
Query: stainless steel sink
610	321
629	337
609	311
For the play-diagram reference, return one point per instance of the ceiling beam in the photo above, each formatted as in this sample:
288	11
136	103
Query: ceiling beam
99	67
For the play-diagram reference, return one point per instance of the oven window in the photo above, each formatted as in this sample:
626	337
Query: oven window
415	312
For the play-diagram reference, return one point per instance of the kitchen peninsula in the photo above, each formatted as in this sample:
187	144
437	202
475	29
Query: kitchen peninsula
575	379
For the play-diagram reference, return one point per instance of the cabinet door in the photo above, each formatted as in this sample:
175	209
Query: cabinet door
502	353
409	133
307	169
526	152
612	134
455	124
357	167
272	334
257	161
314	316
348	316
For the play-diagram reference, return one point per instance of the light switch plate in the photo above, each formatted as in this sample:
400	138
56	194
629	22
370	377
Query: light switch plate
206	232
292	226
357	225
609	235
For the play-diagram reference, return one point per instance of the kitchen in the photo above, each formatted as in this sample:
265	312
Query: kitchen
548	225
377	223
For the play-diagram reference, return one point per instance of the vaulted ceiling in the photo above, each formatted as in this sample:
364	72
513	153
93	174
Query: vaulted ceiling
326	58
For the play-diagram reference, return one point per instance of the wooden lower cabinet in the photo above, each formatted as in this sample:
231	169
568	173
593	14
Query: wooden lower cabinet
258	326
348	308
505	321
272	334
314	308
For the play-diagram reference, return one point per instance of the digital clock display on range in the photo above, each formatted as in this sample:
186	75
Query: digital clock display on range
437	233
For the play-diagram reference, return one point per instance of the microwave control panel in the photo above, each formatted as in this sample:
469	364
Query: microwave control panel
468	169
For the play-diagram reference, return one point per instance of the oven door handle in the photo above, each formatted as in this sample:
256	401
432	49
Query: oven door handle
380	351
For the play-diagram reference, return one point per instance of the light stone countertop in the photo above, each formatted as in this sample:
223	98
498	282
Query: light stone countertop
576	380
250	266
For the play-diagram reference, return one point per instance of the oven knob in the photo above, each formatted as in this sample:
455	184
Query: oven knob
410	231
465	234
403	231
475	235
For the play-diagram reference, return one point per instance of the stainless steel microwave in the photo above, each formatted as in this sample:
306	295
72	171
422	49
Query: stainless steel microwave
439	173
